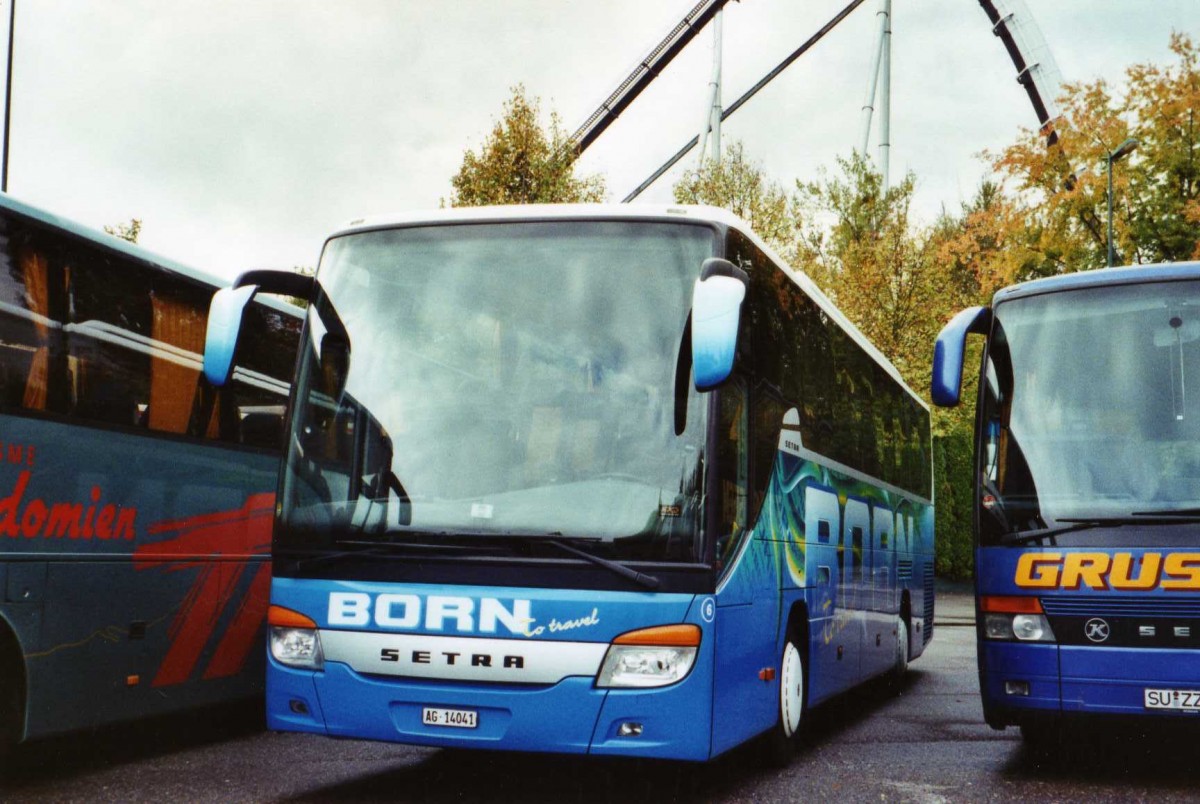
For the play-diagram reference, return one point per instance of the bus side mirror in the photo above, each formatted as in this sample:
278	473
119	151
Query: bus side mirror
716	313
946	382
225	315
224	324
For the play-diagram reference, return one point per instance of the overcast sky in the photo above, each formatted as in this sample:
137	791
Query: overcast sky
242	132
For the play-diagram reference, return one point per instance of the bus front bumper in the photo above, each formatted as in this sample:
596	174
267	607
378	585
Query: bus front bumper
571	717
1023	683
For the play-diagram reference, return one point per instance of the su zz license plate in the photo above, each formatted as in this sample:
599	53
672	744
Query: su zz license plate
1178	700
454	718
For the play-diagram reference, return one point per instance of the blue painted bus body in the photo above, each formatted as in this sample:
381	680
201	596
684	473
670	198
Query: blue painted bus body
1086	491
131	593
1078	675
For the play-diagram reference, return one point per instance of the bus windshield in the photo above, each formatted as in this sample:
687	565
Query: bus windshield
501	380
1091	410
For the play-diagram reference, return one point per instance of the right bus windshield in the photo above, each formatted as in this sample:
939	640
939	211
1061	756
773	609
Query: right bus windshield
1091	407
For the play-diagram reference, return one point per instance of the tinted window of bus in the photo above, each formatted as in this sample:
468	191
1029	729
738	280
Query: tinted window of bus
111	340
851	409
31	316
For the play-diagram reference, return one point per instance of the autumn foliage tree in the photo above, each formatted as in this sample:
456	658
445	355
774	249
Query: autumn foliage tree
1050	216
521	163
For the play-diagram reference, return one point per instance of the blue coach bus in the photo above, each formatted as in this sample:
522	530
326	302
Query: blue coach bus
136	500
1087	492
593	479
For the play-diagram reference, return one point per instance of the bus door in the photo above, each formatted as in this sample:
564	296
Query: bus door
748	593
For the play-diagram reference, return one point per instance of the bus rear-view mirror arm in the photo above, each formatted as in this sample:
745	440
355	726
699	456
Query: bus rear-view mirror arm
716	314
948	353
228	304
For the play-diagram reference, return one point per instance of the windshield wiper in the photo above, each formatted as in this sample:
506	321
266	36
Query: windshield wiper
1134	518
383	549
373	549
640	578
1189	514
1024	537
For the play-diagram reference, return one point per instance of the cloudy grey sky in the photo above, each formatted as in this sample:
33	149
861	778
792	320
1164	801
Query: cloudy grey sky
242	131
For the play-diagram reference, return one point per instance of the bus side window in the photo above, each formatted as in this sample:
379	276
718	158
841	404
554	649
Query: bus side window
177	330
31	305
111	322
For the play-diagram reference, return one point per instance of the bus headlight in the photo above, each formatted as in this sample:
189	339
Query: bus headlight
650	657
1015	618
295	640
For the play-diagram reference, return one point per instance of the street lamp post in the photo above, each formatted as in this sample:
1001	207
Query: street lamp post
1123	150
12	19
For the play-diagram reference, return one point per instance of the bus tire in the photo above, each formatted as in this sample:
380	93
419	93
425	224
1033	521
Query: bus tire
900	667
12	698
785	735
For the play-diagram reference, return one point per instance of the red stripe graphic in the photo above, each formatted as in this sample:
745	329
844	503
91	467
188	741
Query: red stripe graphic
195	542
240	636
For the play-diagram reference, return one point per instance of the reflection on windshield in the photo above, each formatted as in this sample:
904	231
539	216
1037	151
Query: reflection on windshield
508	378
1086	409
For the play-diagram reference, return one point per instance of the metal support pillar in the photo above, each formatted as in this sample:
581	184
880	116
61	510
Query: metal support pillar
712	111
880	79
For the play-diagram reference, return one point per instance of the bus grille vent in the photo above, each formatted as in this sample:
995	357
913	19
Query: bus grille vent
1121	606
904	570
928	601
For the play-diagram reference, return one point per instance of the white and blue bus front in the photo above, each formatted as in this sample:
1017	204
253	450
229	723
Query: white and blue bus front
491	522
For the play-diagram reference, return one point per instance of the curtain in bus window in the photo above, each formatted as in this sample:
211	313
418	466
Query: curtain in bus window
174	372
37	295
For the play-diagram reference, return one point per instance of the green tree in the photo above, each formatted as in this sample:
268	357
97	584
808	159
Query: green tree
861	246
126	231
520	163
740	185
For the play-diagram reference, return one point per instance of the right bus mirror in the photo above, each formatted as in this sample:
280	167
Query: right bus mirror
946	383
716	313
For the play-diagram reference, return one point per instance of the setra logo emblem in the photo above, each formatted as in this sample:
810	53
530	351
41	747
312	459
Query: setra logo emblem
1096	630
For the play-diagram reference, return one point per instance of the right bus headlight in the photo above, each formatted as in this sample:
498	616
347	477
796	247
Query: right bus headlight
295	640
650	657
1015	618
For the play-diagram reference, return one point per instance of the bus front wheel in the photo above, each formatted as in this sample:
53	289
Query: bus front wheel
785	734
12	707
900	667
